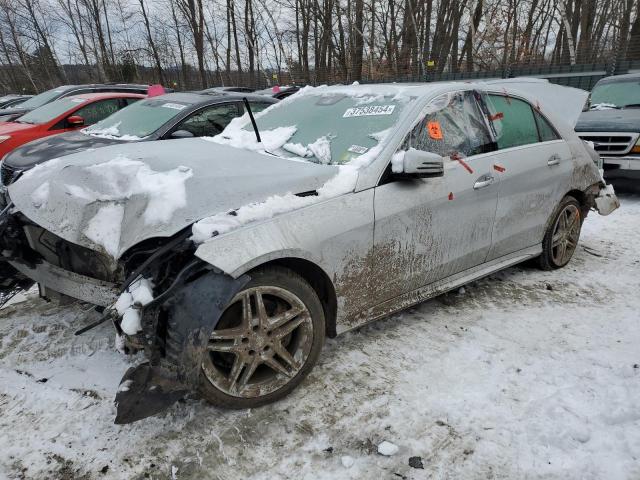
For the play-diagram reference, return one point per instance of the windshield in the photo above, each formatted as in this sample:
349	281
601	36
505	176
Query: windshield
618	94
330	128
43	98
138	120
52	110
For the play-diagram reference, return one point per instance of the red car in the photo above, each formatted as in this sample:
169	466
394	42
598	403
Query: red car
64	115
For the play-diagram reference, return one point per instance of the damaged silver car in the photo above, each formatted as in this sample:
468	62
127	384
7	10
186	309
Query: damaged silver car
229	260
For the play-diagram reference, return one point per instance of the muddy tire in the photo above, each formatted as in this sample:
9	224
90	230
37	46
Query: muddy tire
267	341
561	238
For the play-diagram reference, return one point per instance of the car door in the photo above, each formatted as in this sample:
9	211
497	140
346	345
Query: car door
428	229
208	121
532	160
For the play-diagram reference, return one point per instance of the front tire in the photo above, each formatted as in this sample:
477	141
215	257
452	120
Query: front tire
561	238
267	341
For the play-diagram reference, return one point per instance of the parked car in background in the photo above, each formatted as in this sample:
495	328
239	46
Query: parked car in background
175	115
279	92
230	259
227	90
9	101
63	115
612	123
67	91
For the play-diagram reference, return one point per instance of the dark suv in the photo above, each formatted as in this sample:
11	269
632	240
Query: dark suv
7	115
612	122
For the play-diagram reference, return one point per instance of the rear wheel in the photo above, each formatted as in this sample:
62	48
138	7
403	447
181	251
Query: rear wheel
267	340
561	239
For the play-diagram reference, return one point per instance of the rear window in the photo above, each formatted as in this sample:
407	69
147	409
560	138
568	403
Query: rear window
140	119
43	98
52	110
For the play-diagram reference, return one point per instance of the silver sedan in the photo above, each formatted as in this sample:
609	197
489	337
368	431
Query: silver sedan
230	259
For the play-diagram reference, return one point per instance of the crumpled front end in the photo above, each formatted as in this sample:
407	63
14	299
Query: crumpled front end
183	307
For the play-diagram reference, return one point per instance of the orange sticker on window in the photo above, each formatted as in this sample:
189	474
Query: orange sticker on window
435	131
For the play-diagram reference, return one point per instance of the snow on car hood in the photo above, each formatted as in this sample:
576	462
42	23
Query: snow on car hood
117	196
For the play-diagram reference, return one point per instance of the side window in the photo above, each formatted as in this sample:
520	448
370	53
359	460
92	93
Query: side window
547	132
456	125
210	121
513	121
97	111
129	101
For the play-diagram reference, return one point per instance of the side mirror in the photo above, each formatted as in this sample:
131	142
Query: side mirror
420	164
75	121
182	134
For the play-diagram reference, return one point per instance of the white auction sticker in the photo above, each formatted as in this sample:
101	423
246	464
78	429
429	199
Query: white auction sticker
357	149
369	110
175	106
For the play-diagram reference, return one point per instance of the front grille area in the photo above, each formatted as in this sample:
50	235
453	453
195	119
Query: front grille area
606	143
8	174
71	257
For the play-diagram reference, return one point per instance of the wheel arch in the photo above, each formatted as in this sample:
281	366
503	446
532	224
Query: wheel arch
319	281
582	199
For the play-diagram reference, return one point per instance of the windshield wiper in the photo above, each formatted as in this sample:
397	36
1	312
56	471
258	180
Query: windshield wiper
632	105
253	120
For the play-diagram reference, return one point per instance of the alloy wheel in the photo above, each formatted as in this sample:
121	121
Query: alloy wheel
262	341
566	233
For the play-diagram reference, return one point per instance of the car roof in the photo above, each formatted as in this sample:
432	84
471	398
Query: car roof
620	78
102	85
107	95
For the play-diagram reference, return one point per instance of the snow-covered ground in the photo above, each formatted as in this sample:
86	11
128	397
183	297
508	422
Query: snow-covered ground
525	374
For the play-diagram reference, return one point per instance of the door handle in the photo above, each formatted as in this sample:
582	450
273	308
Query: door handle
553	160
483	181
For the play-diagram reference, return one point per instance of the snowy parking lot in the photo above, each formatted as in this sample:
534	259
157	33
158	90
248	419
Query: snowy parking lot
525	374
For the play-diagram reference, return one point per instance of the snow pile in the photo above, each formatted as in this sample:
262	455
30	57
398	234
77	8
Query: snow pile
119	180
321	149
347	461
387	449
111	133
122	178
603	106
297	149
236	136
41	169
130	302
40	195
105	227
397	162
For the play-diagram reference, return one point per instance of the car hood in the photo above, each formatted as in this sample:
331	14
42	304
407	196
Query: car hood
111	199
611	120
14	127
41	150
8	114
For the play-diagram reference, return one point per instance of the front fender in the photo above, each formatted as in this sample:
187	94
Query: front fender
237	252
